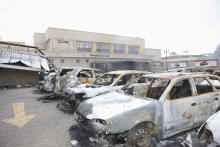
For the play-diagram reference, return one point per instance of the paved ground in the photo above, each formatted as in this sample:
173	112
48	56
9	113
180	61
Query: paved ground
48	128
41	124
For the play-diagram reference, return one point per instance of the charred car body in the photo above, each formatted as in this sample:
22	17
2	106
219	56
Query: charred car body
210	130
108	82
164	105
49	80
70	77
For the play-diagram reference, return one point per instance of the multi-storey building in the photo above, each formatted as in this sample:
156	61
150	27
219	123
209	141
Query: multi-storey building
108	52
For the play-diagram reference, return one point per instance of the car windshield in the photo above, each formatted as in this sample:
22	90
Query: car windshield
106	79
147	87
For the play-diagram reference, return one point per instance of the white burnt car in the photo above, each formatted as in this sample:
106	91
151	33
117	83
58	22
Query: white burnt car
108	82
49	81
156	106
70	77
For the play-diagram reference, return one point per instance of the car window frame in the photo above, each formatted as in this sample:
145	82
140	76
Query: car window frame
213	86
173	84
196	92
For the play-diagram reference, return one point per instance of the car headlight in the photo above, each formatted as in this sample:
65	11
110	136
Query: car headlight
100	125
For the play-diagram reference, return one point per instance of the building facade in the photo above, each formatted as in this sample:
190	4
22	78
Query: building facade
87	49
204	62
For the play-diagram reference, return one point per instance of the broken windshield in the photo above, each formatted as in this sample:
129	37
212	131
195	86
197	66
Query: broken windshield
147	87
106	79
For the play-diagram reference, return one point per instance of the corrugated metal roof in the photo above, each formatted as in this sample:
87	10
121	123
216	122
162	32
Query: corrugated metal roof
30	60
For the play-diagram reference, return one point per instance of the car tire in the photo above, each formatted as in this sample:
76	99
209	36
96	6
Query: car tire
206	136
143	135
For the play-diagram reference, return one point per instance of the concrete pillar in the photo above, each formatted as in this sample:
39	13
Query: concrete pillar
94	47
74	46
111	49
51	43
126	49
71	44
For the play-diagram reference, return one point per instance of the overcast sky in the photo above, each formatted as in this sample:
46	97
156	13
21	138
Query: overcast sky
177	25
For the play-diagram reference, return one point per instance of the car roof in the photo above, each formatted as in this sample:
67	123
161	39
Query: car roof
172	75
183	68
127	72
78	68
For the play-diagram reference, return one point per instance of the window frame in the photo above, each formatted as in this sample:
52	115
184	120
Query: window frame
103	47
131	47
196	92
119	48
191	87
213	86
82	46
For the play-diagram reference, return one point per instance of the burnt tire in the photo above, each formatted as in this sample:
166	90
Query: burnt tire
206	136
143	135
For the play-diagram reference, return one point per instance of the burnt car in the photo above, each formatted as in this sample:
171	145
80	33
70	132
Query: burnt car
111	81
49	80
80	76
70	77
155	107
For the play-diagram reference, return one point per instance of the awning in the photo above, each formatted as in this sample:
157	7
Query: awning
30	60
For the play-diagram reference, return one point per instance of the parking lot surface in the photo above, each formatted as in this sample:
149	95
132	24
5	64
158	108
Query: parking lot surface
26	122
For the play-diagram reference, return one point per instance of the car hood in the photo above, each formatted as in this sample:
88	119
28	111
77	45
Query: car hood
90	90
109	105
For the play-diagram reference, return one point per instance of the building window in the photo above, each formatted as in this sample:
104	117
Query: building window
84	46
103	47
119	48
62	60
77	61
133	49
87	60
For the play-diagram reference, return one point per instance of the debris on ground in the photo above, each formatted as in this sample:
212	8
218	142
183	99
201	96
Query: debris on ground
48	98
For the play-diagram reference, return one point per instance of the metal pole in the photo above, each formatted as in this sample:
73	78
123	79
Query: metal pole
166	52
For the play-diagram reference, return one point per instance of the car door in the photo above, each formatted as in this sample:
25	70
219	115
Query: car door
179	107
206	98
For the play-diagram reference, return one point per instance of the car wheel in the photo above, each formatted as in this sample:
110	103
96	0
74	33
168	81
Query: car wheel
206	136
143	135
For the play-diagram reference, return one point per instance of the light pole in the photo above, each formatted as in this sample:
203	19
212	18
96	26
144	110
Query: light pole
166	52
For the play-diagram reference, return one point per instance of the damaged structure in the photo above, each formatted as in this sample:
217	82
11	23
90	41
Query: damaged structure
164	105
20	64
